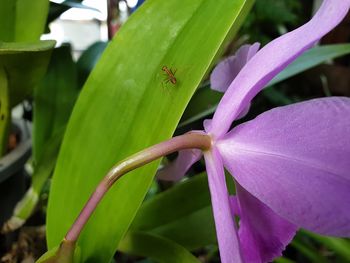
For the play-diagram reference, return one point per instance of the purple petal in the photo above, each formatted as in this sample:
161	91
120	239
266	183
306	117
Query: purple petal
262	233
271	60
207	124
224	223
225	72
177	169
295	159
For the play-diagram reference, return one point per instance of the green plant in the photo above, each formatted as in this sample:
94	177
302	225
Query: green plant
23	58
125	106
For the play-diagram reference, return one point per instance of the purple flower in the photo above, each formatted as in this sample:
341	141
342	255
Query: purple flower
291	165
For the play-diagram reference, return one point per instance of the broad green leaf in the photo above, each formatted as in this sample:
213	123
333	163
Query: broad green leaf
30	19
7	20
173	204
188	232
47	161
25	64
125	106
310	59
66	252
175	214
22	20
155	247
54	98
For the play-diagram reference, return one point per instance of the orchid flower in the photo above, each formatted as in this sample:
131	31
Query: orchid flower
291	165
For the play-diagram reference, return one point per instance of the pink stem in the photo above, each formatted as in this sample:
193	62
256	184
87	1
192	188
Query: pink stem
190	140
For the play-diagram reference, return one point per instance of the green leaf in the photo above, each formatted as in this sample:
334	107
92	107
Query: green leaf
16	48
308	251
310	59
22	65
283	260
125	106
47	161
154	247
171	205
25	64
175	214
66	252
30	19
188	232
340	246
54	98
22	20
5	112
7	20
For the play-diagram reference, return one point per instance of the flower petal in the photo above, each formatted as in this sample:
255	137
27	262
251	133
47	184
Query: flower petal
224	223
271	60
295	159
175	170
262	233
225	72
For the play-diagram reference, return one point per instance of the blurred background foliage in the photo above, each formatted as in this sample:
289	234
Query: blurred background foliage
269	18
179	213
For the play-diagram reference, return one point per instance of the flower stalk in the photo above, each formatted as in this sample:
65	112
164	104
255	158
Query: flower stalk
191	140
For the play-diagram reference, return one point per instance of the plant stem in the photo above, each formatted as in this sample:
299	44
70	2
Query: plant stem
191	140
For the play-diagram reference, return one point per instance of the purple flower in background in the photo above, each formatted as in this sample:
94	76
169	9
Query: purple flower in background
291	165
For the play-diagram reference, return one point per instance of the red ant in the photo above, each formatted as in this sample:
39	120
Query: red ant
170	75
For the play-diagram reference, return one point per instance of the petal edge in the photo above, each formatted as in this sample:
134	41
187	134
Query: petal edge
295	159
271	60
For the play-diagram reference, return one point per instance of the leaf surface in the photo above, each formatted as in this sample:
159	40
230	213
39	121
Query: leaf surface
175	214
158	248
22	20
54	99
25	64
126	106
